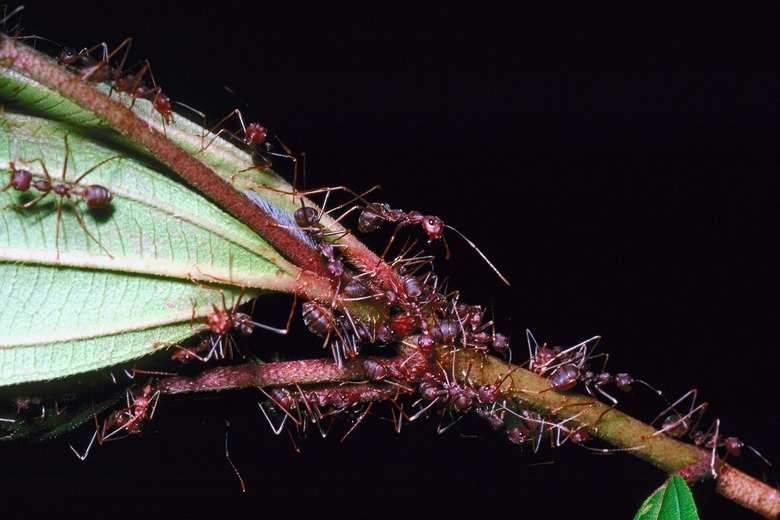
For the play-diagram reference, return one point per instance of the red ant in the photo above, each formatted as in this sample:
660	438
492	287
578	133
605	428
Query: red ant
375	213
256	139
220	325
91	69
133	84
94	196
323	322
127	421
677	426
101	70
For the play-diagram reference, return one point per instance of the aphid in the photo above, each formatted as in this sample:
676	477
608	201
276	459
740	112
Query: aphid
94	196
374	214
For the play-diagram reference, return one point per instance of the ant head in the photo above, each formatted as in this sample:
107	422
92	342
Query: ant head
433	226
255	134
68	56
220	322
306	217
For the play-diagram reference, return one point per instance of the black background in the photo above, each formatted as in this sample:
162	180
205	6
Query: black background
617	164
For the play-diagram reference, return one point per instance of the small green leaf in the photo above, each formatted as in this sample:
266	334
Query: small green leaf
672	501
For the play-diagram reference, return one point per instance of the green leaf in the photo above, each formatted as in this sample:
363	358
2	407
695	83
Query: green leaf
231	163
126	280
672	501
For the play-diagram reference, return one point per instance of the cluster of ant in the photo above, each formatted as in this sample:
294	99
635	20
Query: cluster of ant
102	70
418	310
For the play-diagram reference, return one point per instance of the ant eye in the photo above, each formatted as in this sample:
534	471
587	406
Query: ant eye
433	226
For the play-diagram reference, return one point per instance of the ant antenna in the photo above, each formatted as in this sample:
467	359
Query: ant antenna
227	456
11	14
480	253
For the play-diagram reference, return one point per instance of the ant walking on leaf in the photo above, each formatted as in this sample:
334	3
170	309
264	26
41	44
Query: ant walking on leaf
220	328
94	196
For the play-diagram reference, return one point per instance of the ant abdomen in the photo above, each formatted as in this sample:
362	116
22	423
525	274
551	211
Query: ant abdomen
317	318
96	196
372	216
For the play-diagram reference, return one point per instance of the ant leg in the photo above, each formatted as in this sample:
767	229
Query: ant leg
89	447
80	220
677	425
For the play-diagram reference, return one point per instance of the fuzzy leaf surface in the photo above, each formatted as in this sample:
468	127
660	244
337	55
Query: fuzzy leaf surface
73	303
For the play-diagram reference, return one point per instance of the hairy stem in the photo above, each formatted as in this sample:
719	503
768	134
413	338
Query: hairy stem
576	411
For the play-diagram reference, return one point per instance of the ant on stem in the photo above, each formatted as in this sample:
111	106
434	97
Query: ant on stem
97	71
375	213
255	137
134	85
91	69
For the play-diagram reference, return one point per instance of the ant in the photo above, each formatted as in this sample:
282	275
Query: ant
91	69
94	196
134	85
375	213
323	322
677	426
97	71
127	421
564	368
255	137
221	325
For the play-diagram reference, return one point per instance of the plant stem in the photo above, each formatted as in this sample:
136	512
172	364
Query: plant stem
117	116
532	391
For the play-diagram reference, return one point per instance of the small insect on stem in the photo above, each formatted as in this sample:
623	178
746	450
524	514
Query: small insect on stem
91	69
133	84
94	196
127	421
375	213
255	137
